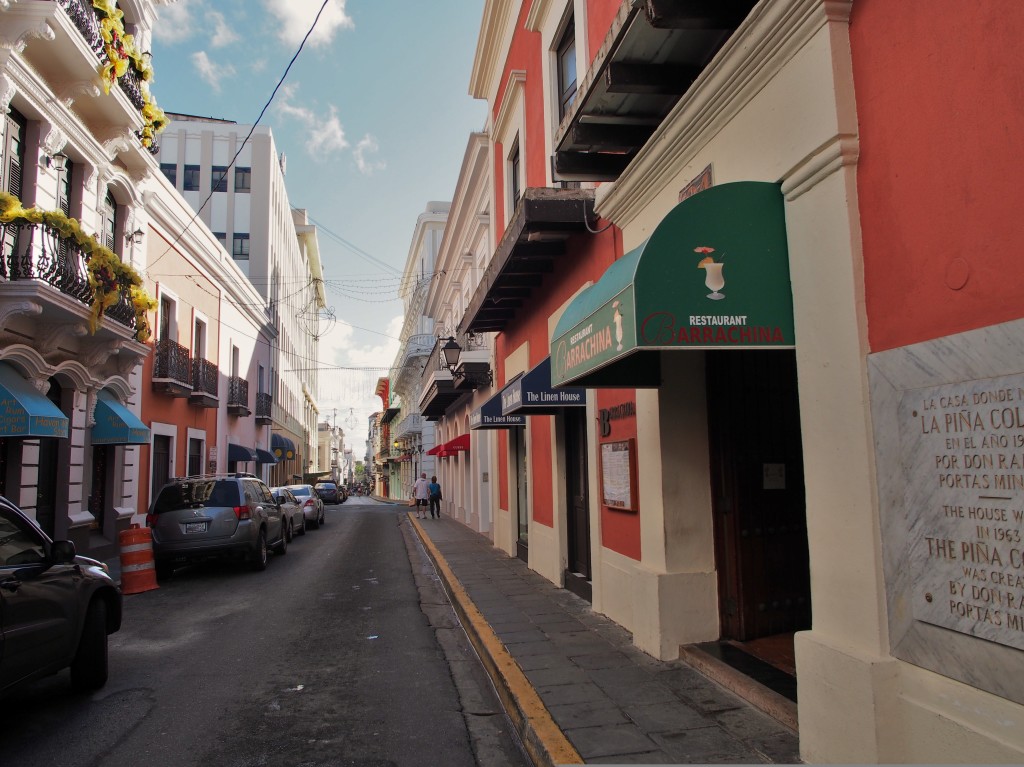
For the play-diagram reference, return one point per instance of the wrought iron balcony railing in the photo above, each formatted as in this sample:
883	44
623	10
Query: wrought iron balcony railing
204	383
172	368
238	396
83	16
264	410
38	252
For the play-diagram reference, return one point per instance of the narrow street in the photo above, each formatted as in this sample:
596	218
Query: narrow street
343	652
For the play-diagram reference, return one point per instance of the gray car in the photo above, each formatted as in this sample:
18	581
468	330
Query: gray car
214	516
292	510
56	609
312	505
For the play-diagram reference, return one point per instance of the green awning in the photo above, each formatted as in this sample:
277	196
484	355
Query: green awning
24	412
714	274
116	424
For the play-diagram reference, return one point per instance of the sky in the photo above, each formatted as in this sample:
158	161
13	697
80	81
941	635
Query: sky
373	117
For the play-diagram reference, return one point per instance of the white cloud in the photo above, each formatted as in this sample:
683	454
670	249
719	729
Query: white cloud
210	72
325	134
296	17
174	22
367	144
223	33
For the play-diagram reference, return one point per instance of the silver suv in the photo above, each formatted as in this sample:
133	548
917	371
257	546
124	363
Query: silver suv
211	516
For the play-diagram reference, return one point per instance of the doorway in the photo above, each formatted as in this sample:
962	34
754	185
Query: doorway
521	512
757	482
161	463
577	573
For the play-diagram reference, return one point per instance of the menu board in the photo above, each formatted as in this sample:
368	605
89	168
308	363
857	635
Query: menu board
618	475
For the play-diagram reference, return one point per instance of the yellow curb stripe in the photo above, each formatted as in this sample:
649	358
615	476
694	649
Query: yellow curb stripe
544	740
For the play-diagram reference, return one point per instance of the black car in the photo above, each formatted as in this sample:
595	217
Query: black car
328	492
56	608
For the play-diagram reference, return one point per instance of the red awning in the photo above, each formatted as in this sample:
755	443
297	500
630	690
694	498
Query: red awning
455	446
435	450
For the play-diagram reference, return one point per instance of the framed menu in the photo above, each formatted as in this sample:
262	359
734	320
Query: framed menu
618	475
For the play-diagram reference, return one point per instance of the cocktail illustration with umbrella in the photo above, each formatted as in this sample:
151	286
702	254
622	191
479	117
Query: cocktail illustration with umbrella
713	278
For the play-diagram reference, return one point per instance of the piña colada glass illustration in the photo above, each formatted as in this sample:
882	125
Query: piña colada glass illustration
713	278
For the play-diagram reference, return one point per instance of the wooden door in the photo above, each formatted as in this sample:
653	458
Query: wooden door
578	574
758	493
520	496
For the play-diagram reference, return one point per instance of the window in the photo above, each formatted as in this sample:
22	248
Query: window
566	69
191	181
199	340
170	170
13	153
240	247
168	319
219	178
514	188
108	227
222	238
243	179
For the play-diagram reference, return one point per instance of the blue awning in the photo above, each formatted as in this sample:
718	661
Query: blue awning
116	424
24	412
532	394
281	446
488	416
239	453
264	456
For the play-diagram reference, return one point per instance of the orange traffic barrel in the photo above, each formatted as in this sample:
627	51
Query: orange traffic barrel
138	571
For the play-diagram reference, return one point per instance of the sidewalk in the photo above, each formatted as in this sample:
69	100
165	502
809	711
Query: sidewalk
572	681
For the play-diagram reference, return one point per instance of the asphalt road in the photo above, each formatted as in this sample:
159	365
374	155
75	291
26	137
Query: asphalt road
343	652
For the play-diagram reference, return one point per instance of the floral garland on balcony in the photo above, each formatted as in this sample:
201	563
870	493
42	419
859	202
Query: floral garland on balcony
121	53
105	271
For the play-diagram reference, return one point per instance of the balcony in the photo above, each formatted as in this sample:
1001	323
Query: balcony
238	397
36	254
411	424
473	369
68	59
264	409
172	369
437	386
204	384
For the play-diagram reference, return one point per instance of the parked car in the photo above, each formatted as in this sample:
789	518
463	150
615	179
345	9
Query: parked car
312	505
291	508
56	608
328	492
211	516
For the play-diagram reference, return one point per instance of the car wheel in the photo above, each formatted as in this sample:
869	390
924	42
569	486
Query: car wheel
302	527
89	668
323	517
282	545
259	556
315	523
286	526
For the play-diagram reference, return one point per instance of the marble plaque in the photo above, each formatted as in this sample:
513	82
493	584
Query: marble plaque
948	421
963	458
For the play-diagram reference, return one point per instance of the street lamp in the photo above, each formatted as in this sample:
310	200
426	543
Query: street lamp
451	352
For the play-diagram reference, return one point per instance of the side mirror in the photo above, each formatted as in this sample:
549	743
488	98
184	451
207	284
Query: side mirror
63	552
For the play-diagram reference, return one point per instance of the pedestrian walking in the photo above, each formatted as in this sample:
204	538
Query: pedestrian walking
434	490
420	492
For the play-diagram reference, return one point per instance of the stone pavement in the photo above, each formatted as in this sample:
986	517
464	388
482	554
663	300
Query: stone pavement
574	684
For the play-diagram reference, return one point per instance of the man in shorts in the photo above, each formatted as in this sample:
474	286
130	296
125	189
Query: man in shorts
420	491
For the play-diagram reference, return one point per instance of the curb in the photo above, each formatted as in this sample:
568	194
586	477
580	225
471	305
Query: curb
544	741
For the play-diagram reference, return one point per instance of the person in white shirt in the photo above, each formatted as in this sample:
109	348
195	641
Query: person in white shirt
421	493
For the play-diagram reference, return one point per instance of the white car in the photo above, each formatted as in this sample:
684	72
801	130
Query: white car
291	509
312	506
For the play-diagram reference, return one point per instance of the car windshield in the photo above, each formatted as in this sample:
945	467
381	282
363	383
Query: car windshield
182	495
